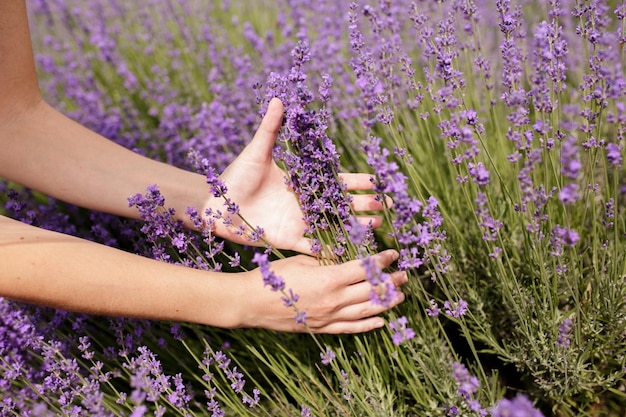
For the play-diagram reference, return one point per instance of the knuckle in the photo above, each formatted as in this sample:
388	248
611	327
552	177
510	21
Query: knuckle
328	304
399	278
399	298
366	311
327	285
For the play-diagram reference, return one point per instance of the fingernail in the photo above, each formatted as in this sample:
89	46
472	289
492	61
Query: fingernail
405	277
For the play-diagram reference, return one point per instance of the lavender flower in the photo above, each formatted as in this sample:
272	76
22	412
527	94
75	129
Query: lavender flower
426	235
372	88
490	225
455	310
276	283
300	317
270	279
565	329
467	384
147	378
235	378
327	356
305	411
311	159
383	289
254	400
401	333
212	404
344	382
549	51
569	193
180	397
560	237
570	163
160	224
479	173
510	24
360	235
520	406
433	310
609	213
613	153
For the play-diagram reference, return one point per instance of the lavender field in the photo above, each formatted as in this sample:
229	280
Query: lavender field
497	128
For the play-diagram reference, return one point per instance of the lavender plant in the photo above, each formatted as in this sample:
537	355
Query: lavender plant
497	129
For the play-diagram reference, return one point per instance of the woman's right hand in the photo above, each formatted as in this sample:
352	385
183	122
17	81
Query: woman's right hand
336	298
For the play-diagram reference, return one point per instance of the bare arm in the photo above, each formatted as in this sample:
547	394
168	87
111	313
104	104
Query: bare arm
49	268
46	151
61	271
18	79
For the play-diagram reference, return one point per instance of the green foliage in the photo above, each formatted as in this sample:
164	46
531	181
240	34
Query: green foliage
517	298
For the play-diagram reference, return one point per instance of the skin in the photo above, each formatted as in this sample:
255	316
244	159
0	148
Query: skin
44	150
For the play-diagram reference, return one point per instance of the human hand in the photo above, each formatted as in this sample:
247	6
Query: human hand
257	185
336	298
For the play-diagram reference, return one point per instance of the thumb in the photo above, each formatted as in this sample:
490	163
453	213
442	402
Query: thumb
264	139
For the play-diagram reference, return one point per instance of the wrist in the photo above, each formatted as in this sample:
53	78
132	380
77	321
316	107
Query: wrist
215	299
252	303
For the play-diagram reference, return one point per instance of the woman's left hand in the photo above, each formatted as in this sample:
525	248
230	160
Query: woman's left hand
257	185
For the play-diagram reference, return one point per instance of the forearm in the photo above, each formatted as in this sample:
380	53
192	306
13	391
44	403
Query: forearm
62	271
18	79
44	150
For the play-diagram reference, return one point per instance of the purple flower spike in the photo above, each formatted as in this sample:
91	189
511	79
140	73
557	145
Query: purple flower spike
269	277
561	237
570	163
401	333
468	384
569	193
383	291
327	356
480	174
613	153
455	310
565	329
434	309
300	317
277	283
520	406
305	411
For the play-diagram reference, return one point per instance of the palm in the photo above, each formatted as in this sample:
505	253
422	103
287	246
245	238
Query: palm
258	186
265	201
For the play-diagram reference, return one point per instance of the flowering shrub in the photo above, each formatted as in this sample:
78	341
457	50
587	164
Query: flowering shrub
497	129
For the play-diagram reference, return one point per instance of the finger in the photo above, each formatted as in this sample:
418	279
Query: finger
264	139
357	181
352	272
367	308
369	202
374	221
399	278
358	318
361	291
386	258
366	202
351	327
360	182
